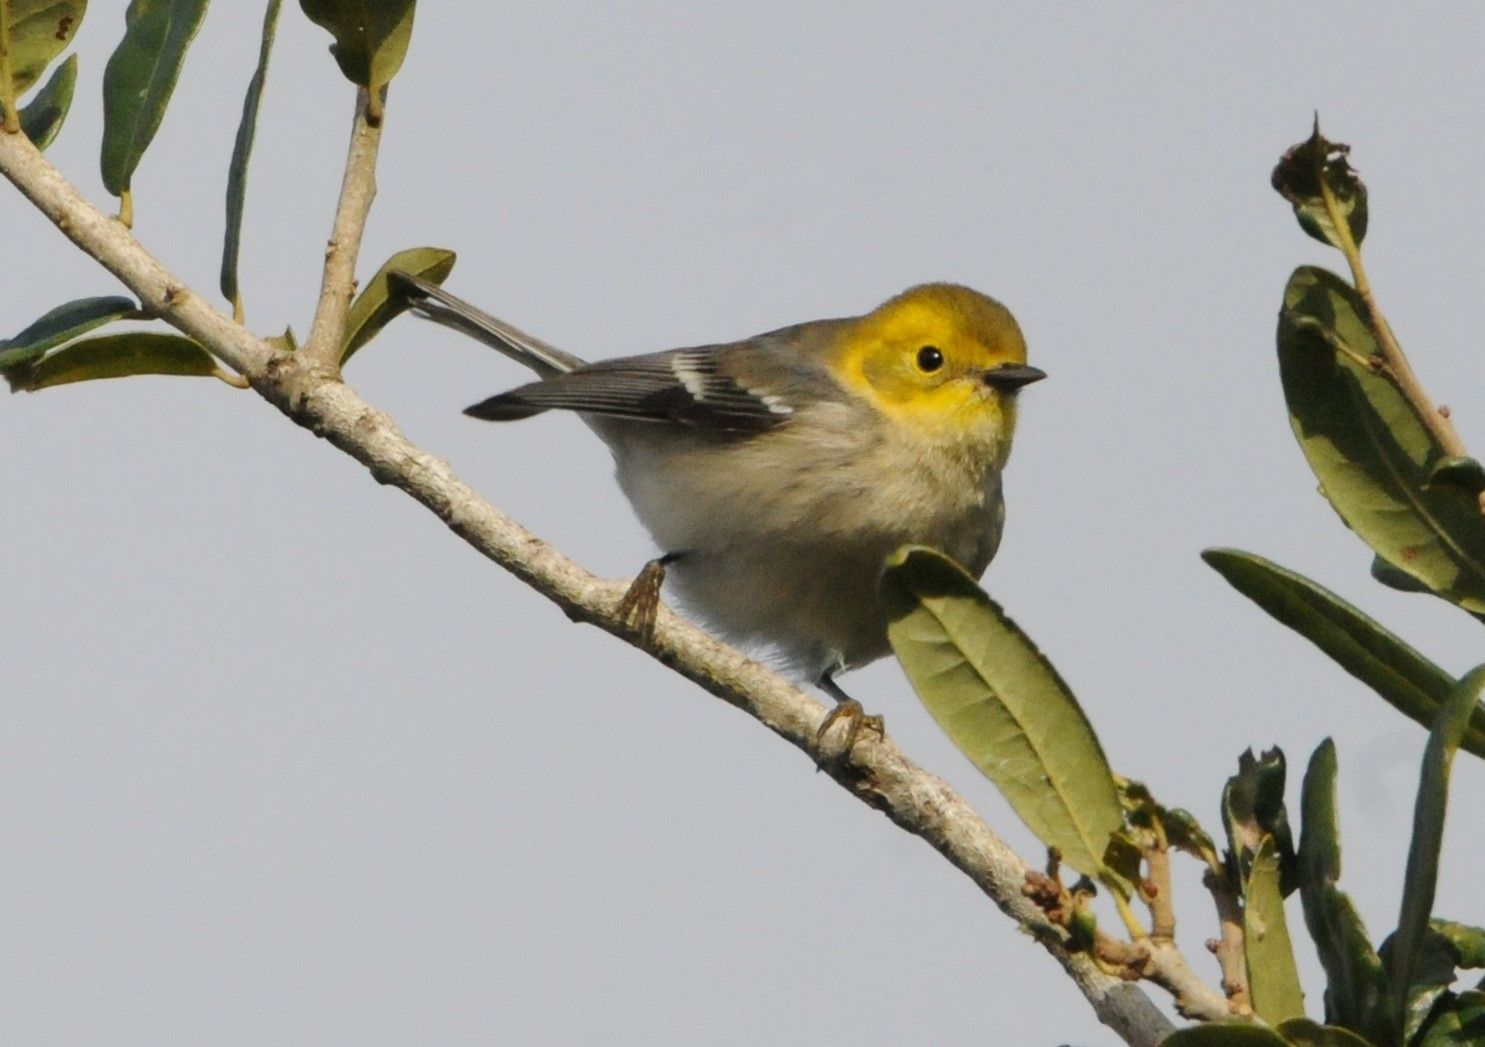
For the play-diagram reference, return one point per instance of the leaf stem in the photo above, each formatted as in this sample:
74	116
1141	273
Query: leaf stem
12	121
1132	925
1393	357
236	381
338	285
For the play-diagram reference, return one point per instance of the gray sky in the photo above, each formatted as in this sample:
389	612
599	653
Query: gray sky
283	761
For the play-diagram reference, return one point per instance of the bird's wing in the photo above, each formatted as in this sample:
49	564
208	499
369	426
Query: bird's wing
693	387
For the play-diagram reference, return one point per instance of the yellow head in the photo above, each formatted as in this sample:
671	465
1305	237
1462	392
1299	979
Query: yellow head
940	359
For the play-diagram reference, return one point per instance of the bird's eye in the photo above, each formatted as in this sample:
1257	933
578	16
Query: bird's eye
929	358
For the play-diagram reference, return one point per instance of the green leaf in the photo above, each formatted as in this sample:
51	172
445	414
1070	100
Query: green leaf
242	149
284	343
42	118
1003	704
1395	578
1428	835
63	324
38	31
139	80
1301	1032
375	307
120	356
1356	990
1272	976
1468	942
1465	473
1320	831
1224	1034
1182	830
1433	973
1458	1021
1185	833
371	36
1371	452
1253	808
1298	178
1412	684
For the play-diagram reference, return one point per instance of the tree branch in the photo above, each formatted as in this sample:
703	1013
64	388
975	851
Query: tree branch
338	285
878	773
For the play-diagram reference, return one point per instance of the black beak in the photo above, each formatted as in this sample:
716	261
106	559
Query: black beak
1011	377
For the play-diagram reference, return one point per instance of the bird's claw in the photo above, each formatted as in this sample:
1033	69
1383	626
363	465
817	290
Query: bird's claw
856	719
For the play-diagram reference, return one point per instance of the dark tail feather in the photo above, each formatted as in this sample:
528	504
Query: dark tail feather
505	407
432	302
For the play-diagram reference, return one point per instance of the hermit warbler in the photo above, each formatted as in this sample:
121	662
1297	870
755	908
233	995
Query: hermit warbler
777	473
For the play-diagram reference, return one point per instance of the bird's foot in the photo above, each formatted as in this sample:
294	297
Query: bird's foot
640	604
850	712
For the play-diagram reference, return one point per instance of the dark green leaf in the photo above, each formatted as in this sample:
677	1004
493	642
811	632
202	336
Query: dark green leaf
1397	579
139	80
1458	1021
1320	830
1465	473
1301	1032
1003	704
1428	835
62	324
1362	646
1185	833
241	150
1433	973
1468	942
38	31
1121	861
1272	977
119	356
42	117
371	36
1224	1034
1253	808
1368	447
374	307
1182	830
1299	177
1356	991
1082	929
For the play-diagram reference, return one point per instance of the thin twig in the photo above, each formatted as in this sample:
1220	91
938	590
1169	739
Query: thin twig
878	774
1229	949
1157	893
338	284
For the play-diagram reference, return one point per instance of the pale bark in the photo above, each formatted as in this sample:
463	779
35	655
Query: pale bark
307	388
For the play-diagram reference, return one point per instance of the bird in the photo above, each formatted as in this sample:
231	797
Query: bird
777	473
